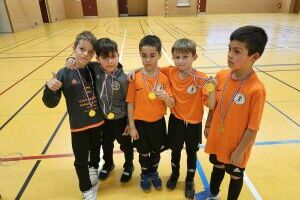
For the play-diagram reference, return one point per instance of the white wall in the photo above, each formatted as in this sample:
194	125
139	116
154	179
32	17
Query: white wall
4	20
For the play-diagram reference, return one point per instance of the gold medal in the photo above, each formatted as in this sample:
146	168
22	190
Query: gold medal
210	87
152	96
110	115
221	128
92	113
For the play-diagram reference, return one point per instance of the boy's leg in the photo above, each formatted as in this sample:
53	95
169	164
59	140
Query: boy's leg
157	138
192	140
126	147
217	175
107	146
176	136
95	145
80	146
143	147
236	181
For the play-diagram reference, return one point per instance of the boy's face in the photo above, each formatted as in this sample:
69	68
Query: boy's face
184	61
150	57
238	58
84	52
109	63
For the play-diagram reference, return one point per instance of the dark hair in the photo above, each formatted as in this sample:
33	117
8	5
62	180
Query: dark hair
86	35
105	46
254	37
152	41
184	45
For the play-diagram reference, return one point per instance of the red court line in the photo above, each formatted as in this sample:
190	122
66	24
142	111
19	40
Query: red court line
41	157
41	65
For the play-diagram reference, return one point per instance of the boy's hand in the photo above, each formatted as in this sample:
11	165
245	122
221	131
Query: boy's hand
54	84
133	133
130	75
213	81
70	63
161	95
126	131
206	129
236	157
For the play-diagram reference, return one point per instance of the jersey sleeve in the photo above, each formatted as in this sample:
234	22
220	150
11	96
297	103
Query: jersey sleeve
256	109
130	92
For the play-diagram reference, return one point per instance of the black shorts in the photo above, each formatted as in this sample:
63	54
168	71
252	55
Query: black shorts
180	132
152	136
229	168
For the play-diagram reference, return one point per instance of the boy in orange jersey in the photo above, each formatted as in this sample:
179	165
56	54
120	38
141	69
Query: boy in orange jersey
148	97
233	124
185	122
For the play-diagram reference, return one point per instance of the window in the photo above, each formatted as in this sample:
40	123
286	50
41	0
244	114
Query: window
183	3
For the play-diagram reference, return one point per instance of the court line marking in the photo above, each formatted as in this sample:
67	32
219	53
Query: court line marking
21	108
37	68
33	38
28	179
281	112
62	155
122	47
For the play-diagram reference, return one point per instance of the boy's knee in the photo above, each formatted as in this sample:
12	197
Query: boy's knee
235	177
219	166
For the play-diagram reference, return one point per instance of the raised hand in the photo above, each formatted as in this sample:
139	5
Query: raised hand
54	84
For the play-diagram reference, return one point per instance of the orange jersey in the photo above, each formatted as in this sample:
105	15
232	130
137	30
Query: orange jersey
144	108
189	100
244	113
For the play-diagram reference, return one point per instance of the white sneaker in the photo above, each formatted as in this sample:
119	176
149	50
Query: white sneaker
89	195
93	176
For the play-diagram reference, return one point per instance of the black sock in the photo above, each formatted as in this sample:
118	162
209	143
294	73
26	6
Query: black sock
145	163
154	161
216	179
175	160
191	165
235	188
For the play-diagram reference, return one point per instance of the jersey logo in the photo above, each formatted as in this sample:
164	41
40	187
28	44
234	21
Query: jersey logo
116	85
74	82
159	87
237	170
239	99
191	89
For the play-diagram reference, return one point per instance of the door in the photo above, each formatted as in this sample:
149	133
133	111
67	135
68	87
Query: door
202	5
89	7
44	11
123	8
297	6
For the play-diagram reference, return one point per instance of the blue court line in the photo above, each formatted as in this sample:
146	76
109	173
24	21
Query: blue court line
260	143
202	175
268	143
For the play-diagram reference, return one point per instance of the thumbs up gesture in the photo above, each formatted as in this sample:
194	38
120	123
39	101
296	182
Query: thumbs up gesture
54	84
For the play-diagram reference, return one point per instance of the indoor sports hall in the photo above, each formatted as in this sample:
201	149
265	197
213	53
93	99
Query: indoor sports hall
36	38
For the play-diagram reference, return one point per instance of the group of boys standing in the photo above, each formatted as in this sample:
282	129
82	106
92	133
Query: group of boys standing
103	106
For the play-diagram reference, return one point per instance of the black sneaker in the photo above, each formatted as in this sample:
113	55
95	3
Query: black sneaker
189	189
104	173
172	182
127	174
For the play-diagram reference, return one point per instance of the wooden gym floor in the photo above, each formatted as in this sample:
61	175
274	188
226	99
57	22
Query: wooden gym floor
41	136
